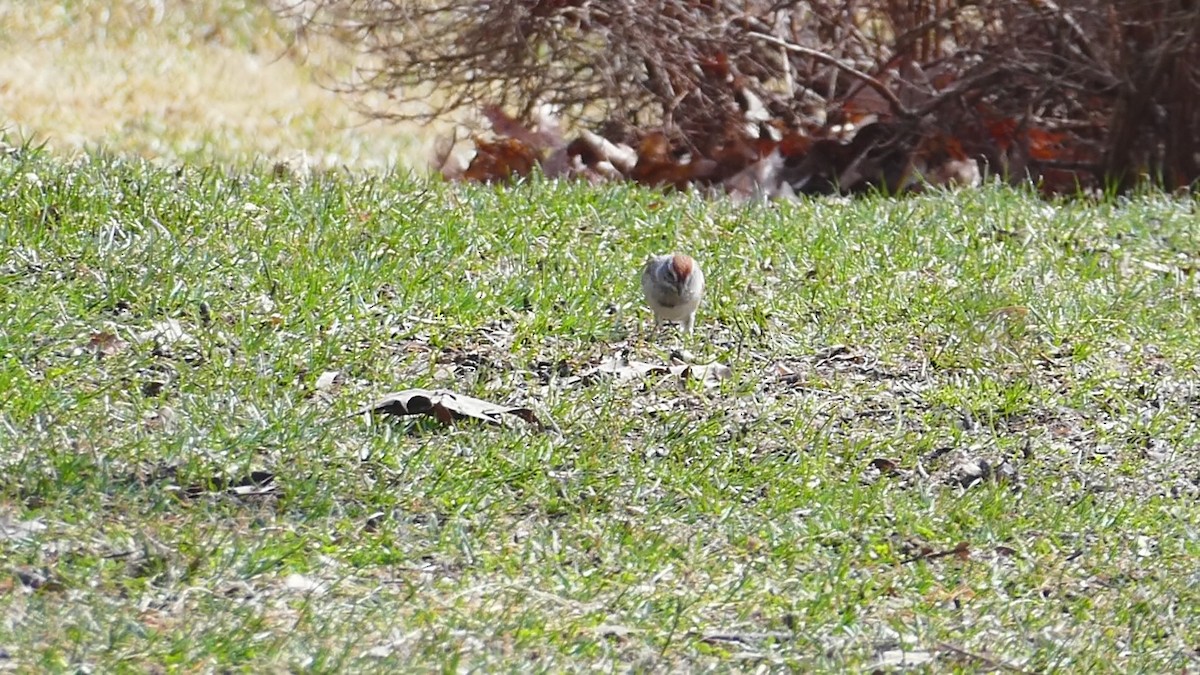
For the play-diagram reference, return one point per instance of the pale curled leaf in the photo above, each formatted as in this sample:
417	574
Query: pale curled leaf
625	369
447	407
620	156
384	650
162	419
255	483
896	659
710	374
299	583
164	333
329	380
19	530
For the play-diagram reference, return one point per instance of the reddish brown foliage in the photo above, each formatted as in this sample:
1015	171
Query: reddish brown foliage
781	97
501	160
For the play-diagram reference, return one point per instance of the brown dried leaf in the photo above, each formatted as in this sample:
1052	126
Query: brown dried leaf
961	550
886	466
656	166
500	160
941	160
1045	144
106	343
1011	313
507	126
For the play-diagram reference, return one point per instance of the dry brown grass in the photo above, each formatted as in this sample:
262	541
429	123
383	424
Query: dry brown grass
208	79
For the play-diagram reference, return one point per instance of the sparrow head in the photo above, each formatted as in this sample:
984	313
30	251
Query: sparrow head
681	267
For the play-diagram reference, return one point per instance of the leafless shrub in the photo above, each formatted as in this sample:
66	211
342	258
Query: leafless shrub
1077	91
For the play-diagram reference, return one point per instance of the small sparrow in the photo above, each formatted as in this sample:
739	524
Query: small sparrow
673	285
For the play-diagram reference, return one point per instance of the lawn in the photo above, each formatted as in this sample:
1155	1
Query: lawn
198	81
960	430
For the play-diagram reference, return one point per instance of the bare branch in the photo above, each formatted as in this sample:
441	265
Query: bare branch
897	107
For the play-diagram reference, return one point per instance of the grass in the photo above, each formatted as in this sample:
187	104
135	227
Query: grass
201	81
880	349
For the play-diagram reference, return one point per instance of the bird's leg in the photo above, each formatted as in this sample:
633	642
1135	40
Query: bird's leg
653	328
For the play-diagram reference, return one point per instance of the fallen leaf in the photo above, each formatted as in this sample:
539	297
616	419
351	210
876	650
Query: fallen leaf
834	353
446	407
300	583
384	650
890	467
1045	144
593	149
500	160
625	369
153	387
330	381
256	483
106	343
972	472
1005	473
162	419
164	333
546	136
38	580
15	530
1012	313
899	659
961	550
615	631
657	166
710	374
761	178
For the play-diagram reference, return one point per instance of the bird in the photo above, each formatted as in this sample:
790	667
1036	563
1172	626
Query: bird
673	285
